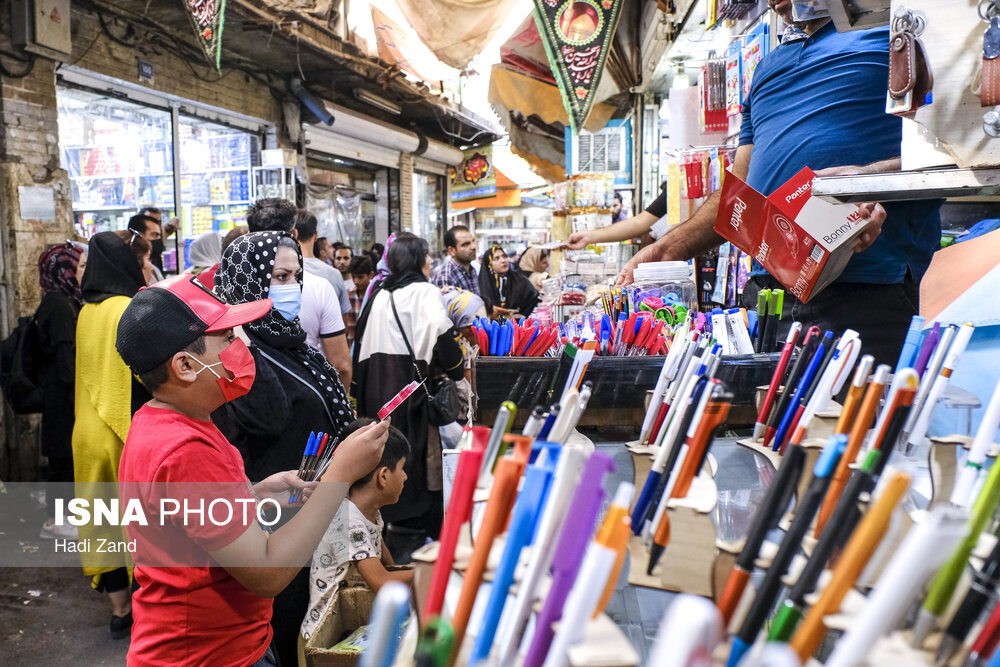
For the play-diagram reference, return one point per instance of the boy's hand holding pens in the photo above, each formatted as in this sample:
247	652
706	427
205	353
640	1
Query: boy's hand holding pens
358	454
283	486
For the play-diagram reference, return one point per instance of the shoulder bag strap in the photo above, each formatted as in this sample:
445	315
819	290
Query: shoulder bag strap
413	357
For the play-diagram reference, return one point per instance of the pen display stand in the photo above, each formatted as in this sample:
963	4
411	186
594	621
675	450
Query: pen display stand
688	563
619	385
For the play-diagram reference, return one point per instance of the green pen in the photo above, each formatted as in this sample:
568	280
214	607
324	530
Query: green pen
774	307
843	520
950	573
763	297
434	645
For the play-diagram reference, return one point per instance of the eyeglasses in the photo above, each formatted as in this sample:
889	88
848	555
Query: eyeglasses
135	235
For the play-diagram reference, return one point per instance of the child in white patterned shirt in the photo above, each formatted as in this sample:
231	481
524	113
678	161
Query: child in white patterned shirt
352	545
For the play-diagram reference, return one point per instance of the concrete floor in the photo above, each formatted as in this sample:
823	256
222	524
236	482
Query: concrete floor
48	615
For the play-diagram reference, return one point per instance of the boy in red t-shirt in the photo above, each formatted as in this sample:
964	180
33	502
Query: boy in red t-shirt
206	577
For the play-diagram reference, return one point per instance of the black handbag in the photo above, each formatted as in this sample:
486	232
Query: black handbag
444	403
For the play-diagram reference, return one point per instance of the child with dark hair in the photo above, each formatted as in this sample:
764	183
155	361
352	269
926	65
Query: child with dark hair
351	552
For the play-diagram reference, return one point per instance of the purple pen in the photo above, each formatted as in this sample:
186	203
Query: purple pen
930	342
573	541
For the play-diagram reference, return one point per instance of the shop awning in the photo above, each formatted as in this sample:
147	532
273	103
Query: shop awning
531	97
456	30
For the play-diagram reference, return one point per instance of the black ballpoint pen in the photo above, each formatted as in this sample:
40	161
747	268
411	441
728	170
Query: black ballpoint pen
984	583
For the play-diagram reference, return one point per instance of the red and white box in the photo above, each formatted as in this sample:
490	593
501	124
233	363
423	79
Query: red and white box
803	241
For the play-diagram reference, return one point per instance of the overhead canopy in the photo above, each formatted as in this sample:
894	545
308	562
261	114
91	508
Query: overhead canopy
532	97
456	30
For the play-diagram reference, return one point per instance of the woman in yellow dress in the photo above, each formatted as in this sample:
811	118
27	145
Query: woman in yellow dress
106	396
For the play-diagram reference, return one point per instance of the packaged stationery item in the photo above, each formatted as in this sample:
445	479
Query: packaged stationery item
666	282
803	241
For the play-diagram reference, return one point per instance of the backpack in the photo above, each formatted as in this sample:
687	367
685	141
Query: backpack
20	354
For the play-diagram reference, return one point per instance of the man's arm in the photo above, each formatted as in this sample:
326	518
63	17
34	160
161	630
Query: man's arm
629	228
339	355
693	236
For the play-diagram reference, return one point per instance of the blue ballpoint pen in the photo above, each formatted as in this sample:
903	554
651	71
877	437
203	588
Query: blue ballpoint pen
529	506
804	383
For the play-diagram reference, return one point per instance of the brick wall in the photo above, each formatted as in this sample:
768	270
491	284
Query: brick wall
235	91
406	202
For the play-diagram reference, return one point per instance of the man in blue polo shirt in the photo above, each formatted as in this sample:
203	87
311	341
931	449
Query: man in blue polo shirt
818	100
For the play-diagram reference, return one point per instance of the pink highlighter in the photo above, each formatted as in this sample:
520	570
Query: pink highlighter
397	400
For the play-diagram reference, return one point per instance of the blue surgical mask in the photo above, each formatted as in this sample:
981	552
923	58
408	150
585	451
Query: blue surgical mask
286	299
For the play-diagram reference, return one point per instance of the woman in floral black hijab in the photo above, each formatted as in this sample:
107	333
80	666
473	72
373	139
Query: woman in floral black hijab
295	392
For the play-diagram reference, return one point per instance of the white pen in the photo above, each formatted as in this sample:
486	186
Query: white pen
967	474
690	630
831	381
515	616
955	351
925	548
667	373
927	381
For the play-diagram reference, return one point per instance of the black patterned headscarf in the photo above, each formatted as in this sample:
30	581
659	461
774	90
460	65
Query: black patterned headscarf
244	275
57	271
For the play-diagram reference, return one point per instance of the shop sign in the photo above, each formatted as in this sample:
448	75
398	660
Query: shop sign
37	202
475	177
146	72
207	18
577	36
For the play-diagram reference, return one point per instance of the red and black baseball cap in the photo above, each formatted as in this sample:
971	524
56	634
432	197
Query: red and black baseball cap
164	319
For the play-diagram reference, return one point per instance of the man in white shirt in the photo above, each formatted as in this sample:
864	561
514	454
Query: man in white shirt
321	314
305	230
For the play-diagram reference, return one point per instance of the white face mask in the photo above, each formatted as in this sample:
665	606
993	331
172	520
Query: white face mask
808	10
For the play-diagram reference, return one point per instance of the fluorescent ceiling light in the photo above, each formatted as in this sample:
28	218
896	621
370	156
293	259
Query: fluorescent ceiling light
377	101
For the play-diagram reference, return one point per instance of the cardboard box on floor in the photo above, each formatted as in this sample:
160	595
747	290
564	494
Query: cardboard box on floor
347	614
803	241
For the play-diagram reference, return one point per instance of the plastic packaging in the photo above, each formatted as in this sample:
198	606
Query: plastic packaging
669	282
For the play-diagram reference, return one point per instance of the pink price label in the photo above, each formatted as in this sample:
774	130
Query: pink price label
397	400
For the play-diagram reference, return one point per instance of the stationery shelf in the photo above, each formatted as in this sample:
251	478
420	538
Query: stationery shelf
620	385
904	185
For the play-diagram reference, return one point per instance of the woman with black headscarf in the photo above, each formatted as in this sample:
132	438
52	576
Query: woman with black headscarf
383	365
506	293
106	395
60	268
295	392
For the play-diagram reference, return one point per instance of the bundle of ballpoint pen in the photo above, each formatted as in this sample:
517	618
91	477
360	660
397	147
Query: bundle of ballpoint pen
547	494
315	459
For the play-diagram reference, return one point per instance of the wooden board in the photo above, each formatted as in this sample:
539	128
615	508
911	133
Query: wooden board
953	40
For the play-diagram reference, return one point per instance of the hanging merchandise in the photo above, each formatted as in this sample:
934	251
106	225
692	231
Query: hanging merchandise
577	36
754	49
732	10
207	17
350	224
712	85
910	77
734	79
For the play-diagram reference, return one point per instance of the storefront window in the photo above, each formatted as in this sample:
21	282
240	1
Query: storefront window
428	210
119	158
216	176
348	198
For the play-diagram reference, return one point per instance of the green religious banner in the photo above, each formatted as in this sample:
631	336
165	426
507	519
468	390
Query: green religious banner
577	37
207	17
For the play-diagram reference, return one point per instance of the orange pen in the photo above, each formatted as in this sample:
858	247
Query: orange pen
505	480
716	411
864	420
852	562
614	533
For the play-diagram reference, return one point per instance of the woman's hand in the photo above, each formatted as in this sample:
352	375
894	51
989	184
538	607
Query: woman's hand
282	485
358	454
